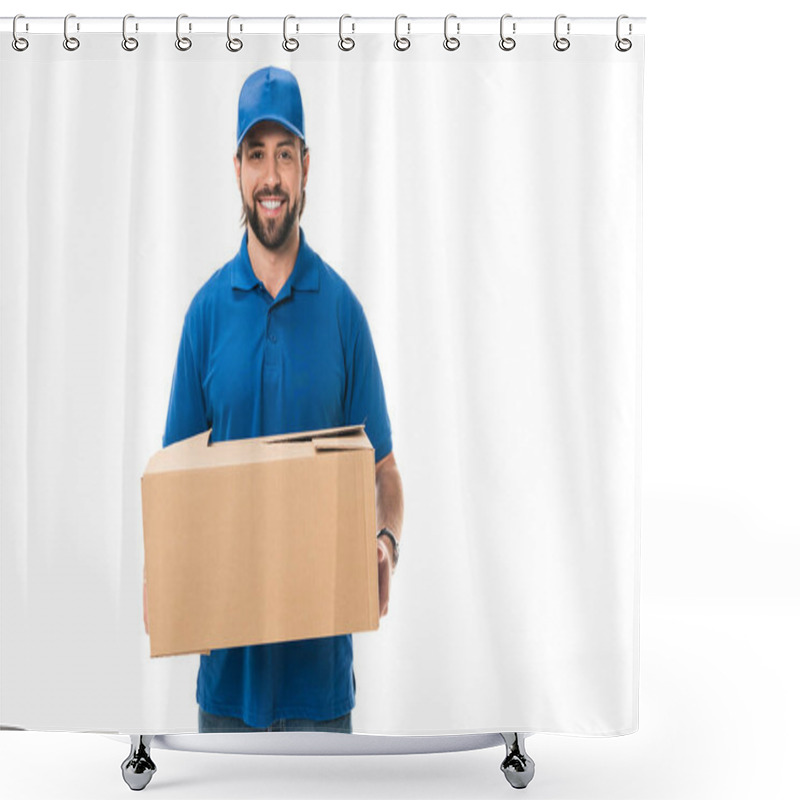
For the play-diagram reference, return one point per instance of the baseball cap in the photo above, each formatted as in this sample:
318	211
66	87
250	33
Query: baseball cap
270	93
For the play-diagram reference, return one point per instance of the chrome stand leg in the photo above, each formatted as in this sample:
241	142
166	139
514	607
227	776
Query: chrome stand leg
138	768
518	766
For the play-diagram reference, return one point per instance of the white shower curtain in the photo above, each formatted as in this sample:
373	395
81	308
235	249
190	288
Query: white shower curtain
485	207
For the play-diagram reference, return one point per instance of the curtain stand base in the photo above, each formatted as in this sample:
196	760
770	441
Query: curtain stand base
138	768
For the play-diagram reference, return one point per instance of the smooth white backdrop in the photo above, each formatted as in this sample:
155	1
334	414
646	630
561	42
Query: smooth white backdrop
719	698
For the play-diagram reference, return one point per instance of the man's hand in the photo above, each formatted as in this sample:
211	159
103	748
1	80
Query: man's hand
389	508
144	603
384	575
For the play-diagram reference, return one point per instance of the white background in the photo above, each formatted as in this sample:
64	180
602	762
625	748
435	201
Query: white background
721	387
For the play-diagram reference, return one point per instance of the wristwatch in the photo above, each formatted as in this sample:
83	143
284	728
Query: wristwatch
395	545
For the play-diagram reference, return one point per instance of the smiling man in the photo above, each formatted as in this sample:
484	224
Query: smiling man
276	342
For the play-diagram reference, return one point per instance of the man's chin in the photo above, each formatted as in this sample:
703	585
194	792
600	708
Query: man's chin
273	240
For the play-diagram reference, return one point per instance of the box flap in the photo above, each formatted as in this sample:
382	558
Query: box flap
178	454
341	443
309	436
197	452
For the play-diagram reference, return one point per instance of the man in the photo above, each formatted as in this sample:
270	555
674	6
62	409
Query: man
276	342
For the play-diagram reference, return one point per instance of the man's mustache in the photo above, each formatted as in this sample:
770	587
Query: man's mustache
271	194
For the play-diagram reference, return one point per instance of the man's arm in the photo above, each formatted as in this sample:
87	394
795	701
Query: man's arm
365	402
389	508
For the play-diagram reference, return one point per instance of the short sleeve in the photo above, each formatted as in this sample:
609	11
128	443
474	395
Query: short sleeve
186	414
365	401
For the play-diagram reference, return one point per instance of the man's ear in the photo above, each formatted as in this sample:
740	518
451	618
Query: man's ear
305	167
237	165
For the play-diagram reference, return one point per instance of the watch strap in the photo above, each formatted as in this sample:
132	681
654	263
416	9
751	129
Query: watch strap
395	545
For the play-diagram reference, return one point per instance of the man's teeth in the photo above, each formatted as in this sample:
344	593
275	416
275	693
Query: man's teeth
270	204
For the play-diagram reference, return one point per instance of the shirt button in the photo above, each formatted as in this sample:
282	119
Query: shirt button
273	338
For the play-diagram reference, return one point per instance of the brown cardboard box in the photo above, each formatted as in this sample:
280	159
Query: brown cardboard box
260	540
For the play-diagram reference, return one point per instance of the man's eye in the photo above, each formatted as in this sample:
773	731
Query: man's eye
285	155
256	154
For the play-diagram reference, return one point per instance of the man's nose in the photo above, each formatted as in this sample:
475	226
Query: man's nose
271	178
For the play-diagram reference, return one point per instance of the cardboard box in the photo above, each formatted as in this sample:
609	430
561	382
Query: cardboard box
260	540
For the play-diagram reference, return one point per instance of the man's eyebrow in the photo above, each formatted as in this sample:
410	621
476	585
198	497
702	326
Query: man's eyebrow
253	143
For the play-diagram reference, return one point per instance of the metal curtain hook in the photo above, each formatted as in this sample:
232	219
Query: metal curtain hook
345	42
234	45
451	42
182	42
506	42
70	42
623	45
561	43
129	43
290	45
401	42
19	43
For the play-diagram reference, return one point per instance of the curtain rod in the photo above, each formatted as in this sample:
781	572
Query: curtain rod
325	25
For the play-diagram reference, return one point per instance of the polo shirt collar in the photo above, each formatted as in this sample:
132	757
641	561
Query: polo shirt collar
304	276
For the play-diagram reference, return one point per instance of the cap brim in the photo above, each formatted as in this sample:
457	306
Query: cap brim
271	118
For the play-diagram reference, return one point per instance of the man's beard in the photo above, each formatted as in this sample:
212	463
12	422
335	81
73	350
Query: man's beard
272	234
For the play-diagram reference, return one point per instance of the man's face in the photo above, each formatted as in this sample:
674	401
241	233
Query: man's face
272	176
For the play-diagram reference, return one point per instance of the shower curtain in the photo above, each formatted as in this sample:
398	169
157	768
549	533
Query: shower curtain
484	205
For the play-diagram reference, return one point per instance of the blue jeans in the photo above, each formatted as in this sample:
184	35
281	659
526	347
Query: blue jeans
213	723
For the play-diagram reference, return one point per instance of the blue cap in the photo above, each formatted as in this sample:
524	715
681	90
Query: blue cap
270	93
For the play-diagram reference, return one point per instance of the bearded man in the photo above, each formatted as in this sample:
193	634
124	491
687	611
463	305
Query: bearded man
276	342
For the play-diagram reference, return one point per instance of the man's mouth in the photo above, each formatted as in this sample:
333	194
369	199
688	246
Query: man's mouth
271	205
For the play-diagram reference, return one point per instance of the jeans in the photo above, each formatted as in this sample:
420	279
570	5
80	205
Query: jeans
213	723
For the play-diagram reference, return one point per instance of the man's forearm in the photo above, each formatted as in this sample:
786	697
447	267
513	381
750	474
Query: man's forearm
389	498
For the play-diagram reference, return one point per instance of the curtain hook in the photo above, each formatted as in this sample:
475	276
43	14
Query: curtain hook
345	42
129	43
401	42
561	43
234	45
290	45
623	45
451	42
70	42
183	43
19	43
506	42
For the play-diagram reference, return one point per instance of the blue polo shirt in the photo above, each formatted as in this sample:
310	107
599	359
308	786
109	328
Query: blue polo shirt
253	365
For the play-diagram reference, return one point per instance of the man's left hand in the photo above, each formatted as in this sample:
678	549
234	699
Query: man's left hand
384	575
